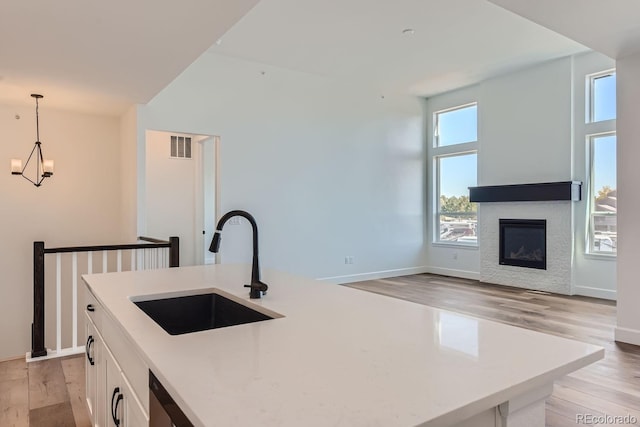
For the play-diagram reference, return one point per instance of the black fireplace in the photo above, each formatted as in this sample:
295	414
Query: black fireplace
523	243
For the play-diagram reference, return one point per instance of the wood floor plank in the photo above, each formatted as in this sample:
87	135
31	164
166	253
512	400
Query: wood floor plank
73	369
14	402
13	369
46	384
58	415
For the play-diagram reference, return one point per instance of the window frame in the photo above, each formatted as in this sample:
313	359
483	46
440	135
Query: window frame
590	91
591	213
592	130
452	150
436	125
438	211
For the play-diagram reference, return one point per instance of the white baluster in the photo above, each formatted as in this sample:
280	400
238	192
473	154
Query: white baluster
58	302
104	261
90	263
119	256
133	260
74	283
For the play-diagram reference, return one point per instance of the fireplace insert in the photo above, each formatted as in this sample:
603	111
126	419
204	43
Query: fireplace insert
523	243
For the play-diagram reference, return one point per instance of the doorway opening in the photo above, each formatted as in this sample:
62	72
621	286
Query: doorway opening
182	190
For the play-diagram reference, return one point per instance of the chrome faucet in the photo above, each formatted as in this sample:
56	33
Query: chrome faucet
258	288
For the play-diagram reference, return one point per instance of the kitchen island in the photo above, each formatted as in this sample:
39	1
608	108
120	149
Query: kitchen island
333	356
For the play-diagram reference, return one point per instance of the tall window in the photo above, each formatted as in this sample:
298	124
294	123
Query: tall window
455	160
603	196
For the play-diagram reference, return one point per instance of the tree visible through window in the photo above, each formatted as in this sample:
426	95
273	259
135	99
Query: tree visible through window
604	196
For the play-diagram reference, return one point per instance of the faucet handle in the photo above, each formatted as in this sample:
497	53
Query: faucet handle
257	288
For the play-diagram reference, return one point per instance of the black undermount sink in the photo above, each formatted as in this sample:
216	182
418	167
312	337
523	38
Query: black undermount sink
192	313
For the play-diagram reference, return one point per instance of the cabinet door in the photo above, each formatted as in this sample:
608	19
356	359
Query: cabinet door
123	409
114	394
91	370
95	375
134	415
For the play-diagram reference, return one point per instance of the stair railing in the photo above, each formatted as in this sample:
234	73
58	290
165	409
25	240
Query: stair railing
148	253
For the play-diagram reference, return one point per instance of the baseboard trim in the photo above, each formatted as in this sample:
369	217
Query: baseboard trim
52	354
586	291
9	359
463	274
374	275
630	336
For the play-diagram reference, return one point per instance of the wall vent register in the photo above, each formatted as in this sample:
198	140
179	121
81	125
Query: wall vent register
523	243
180	147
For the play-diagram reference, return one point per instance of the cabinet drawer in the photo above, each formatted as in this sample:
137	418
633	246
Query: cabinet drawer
92	308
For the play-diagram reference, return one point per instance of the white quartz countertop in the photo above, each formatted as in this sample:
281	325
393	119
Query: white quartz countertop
338	357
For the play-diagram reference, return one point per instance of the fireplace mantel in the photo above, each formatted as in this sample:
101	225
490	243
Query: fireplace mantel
545	191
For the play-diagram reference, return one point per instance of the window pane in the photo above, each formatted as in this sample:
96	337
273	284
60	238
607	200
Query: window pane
604	195
603	98
604	173
605	234
457	126
457	216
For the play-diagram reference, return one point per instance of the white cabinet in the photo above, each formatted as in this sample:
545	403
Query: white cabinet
95	374
91	369
124	408
110	365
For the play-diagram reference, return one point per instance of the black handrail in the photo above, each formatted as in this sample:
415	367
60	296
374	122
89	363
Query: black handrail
37	327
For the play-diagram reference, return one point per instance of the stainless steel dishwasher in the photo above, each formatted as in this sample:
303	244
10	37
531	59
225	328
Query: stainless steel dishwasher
163	410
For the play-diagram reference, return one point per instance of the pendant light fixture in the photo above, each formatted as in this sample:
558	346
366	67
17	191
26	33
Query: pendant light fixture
43	168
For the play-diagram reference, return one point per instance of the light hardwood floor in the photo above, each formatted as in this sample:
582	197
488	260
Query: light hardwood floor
50	393
608	387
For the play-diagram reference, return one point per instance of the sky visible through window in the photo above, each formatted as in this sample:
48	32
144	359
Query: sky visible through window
604	153
459	172
604	162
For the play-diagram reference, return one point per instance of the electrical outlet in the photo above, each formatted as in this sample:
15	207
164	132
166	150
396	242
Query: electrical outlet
455	255
348	260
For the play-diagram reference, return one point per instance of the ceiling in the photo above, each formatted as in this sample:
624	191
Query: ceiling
611	27
454	43
102	57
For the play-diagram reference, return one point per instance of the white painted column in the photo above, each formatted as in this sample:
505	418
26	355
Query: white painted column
628	131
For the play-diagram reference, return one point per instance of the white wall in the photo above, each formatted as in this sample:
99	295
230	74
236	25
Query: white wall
128	176
80	204
525	126
327	169
628	129
525	135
